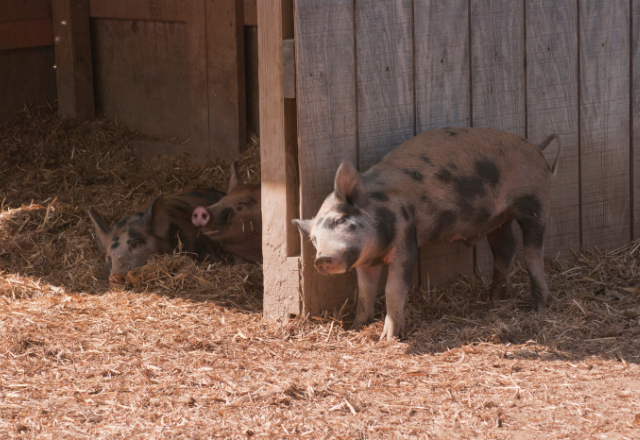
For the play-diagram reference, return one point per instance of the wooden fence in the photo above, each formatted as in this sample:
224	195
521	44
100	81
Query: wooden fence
373	73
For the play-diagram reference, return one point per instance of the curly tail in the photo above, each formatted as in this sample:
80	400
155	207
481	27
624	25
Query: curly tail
544	145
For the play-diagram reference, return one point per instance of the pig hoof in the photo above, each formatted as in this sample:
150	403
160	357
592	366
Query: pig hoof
391	330
358	324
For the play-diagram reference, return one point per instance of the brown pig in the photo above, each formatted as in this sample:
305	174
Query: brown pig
158	230
235	221
440	186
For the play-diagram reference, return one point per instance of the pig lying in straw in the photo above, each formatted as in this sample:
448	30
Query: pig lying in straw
235	221
443	185
159	230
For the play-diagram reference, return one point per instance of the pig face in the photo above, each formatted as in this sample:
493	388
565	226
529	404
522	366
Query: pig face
236	217
134	239
342	232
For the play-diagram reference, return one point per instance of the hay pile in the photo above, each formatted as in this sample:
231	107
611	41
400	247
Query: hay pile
181	350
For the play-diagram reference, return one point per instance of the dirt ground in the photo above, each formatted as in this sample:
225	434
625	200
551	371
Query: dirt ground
181	351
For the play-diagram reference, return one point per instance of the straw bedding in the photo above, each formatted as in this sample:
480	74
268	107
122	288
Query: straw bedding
181	350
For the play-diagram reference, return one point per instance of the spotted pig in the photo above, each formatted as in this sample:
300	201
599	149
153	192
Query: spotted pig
235	221
440	186
157	230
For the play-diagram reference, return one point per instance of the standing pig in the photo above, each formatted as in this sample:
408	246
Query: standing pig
235	221
156	231
443	185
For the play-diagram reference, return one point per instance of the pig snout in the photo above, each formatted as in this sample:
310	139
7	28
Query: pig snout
326	264
200	216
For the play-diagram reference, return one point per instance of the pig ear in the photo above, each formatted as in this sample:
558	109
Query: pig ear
157	218
349	186
303	225
102	230
235	180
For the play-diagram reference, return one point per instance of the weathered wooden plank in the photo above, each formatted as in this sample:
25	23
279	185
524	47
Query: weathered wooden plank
442	99
74	75
26	77
153	10
277	141
250	13
226	82
385	77
497	76
552	107
635	117
141	75
604	122
20	10
251	78
20	34
326	98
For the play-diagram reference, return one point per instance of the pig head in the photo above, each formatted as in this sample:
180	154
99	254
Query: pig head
235	221
164	225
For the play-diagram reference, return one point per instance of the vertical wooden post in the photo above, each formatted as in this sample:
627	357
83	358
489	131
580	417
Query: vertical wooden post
277	141
226	83
74	76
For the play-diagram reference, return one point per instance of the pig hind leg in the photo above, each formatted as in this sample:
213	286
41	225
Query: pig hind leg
532	221
503	247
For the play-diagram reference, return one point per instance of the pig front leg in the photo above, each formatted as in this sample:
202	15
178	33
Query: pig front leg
368	280
398	281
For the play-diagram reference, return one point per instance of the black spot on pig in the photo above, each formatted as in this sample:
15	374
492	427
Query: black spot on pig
371	177
351	257
426	159
469	188
405	213
182	209
115	243
122	223
196	193
527	211
135	234
385	221
527	206
452	166
411	252
444	221
225	216
444	175
352	227
451	133
472	214
346	209
488	171
328	224
414	174
379	195
239	208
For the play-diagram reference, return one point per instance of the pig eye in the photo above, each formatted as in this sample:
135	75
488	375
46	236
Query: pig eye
243	202
136	244
341	221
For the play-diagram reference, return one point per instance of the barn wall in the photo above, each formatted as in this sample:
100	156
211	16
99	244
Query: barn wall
371	74
27	74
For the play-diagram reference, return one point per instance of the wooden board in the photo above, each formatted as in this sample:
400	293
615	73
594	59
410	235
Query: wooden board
281	272
385	77
552	107
141	75
497	78
21	10
32	33
326	99
604	123
74	75
635	119
26	77
252	86
442	99
155	10
226	83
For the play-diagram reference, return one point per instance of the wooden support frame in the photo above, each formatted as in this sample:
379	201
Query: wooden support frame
280	243
74	74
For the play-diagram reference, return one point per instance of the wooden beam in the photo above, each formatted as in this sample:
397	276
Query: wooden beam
21	10
73	59
21	34
277	142
250	13
226	82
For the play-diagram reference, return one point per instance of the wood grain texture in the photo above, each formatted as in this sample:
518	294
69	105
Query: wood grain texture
385	77
20	10
197	81
27	77
251	78
20	34
281	273
226	81
498	78
552	107
141	75
74	74
442	99
250	13
326	99
635	117
604	122
155	10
